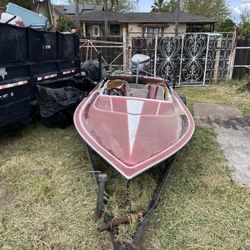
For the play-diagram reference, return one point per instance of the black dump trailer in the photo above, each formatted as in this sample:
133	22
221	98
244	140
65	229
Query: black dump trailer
27	58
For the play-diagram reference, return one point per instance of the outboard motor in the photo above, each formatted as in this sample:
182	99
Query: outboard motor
140	63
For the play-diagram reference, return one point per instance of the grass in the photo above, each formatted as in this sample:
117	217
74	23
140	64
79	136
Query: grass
201	207
223	92
48	197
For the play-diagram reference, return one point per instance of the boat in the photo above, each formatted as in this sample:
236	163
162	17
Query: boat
134	122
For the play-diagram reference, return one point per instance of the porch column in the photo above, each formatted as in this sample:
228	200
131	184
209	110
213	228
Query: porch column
84	29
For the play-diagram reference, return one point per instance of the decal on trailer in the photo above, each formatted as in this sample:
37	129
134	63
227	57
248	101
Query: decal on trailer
69	72
41	78
3	73
14	84
5	96
46	47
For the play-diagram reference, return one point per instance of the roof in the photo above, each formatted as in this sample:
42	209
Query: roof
95	13
70	8
149	17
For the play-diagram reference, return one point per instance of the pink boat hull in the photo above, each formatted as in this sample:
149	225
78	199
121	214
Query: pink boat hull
133	134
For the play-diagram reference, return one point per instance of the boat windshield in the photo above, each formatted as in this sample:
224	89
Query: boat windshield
119	87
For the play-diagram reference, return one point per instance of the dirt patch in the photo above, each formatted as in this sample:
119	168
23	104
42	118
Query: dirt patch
233	135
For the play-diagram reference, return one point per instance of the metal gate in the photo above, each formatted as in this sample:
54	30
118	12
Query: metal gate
189	59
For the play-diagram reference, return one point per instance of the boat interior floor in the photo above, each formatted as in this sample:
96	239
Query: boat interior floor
123	88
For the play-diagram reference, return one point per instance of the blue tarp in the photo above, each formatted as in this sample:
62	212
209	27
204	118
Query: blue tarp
30	18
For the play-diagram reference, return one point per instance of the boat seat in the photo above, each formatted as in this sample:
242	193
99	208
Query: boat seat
136	90
158	92
116	84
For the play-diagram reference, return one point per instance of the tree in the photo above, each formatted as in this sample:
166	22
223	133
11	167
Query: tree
227	26
245	23
28	4
213	8
164	6
65	24
113	5
172	6
159	6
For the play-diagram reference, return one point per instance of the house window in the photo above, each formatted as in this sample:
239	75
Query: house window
154	30
95	31
114	29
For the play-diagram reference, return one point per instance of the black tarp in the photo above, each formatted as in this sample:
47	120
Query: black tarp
58	101
93	72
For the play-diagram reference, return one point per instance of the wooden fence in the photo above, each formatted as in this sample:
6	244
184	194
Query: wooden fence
242	58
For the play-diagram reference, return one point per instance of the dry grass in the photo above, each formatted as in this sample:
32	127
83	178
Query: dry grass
47	195
201	207
50	196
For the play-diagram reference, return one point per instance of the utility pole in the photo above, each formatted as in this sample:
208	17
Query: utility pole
77	13
105	5
177	17
176	34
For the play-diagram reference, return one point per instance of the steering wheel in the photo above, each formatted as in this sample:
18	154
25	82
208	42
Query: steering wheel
115	92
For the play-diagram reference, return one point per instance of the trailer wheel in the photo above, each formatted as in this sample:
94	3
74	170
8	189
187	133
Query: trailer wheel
183	98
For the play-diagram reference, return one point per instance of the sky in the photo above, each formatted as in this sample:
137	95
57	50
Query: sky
236	6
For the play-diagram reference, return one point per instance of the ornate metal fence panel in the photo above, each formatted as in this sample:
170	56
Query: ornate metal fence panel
190	59
169	58
194	58
225	48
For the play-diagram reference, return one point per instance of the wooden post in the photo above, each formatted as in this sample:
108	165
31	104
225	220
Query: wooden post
105	3
124	48
217	59
232	57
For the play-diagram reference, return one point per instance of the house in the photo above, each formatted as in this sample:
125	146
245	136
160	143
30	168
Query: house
91	18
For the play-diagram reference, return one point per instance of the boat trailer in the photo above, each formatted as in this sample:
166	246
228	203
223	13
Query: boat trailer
142	216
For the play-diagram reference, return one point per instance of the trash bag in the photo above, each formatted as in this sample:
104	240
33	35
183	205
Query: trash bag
61	119
92	71
57	102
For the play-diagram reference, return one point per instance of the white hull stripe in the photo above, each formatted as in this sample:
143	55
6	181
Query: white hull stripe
134	109
14	84
69	72
41	78
133	123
